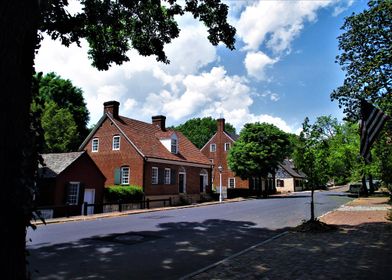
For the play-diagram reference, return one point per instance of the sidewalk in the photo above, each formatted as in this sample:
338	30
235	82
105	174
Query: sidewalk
360	249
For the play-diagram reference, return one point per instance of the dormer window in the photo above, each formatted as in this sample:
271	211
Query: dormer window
174	146
116	143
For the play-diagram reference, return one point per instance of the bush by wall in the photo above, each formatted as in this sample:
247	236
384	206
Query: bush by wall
123	193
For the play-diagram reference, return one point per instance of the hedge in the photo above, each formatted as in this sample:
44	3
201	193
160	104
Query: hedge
123	193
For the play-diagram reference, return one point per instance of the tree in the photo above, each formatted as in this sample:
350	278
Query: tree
67	98
310	157
60	129
258	151
200	130
366	46
111	28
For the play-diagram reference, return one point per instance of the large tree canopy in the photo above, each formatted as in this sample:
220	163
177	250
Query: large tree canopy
200	130
59	97
366	56
114	27
259	150
111	28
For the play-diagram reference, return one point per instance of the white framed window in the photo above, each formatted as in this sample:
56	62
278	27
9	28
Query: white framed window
125	175
154	175
95	145
212	160
231	183
116	142
73	193
227	146
174	146
213	148
167	176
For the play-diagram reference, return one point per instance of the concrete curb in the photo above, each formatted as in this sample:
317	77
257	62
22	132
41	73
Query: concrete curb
233	256
130	212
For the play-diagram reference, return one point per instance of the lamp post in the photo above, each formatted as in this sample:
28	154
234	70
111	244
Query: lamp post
220	168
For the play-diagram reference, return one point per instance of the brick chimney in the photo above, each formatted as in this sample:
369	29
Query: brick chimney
111	107
221	124
159	121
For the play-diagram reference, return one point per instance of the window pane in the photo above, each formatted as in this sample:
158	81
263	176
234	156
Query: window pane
167	176
73	193
95	145
154	177
125	175
116	143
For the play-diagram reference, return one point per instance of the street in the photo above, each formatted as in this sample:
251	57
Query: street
166	244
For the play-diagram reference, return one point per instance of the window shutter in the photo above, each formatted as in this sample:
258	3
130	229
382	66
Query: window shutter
117	176
173	177
161	175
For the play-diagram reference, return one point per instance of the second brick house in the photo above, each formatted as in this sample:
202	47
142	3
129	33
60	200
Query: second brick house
161	161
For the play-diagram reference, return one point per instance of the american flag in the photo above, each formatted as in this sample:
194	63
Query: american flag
372	121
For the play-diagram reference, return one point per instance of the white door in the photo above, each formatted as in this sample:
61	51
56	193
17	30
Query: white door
89	197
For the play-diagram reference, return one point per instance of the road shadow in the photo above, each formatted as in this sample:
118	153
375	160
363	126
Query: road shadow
173	250
351	252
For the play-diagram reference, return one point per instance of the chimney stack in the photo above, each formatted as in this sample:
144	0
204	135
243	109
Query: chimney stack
111	107
221	124
159	121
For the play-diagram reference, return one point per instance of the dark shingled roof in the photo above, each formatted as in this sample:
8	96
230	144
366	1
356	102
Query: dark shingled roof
57	163
289	167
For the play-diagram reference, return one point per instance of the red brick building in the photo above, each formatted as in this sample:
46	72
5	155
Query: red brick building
161	161
68	179
216	150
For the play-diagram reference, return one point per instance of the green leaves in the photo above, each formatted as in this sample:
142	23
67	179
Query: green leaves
366	46
259	150
63	113
112	28
200	130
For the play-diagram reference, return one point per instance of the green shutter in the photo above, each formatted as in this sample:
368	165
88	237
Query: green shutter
117	176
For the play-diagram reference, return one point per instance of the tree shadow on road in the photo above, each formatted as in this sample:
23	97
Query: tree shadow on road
173	250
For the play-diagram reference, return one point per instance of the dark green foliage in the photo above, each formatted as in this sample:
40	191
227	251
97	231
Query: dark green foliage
112	28
63	113
200	130
259	150
123	193
366	56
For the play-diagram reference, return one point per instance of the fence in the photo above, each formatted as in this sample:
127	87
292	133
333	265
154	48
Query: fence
55	211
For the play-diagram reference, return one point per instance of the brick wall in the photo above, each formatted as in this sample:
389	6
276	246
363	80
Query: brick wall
107	159
219	157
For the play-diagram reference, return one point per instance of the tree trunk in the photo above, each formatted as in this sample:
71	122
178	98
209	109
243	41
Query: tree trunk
312	204
18	25
371	186
364	187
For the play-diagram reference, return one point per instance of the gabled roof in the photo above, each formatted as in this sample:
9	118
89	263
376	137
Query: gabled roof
145	138
57	163
288	166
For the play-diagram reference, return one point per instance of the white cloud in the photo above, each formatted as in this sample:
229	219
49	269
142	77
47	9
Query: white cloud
276	23
256	64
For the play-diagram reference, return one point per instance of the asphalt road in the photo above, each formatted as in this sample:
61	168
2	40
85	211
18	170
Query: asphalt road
166	244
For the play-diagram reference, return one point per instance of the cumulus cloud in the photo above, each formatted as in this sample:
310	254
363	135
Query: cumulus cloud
276	23
256	64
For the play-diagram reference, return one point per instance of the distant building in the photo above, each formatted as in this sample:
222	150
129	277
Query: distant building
288	178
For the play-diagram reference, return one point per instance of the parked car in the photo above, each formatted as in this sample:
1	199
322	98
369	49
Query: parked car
355	187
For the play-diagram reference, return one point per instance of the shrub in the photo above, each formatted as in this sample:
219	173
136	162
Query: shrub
123	193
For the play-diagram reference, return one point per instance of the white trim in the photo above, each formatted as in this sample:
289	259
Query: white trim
77	192
174	162
91	134
119	142
206	144
125	136
228	182
92	145
227	143
122	177
228	135
212	145
152	175
164	176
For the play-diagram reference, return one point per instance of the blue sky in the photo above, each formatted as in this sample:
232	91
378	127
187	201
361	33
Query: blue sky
283	68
